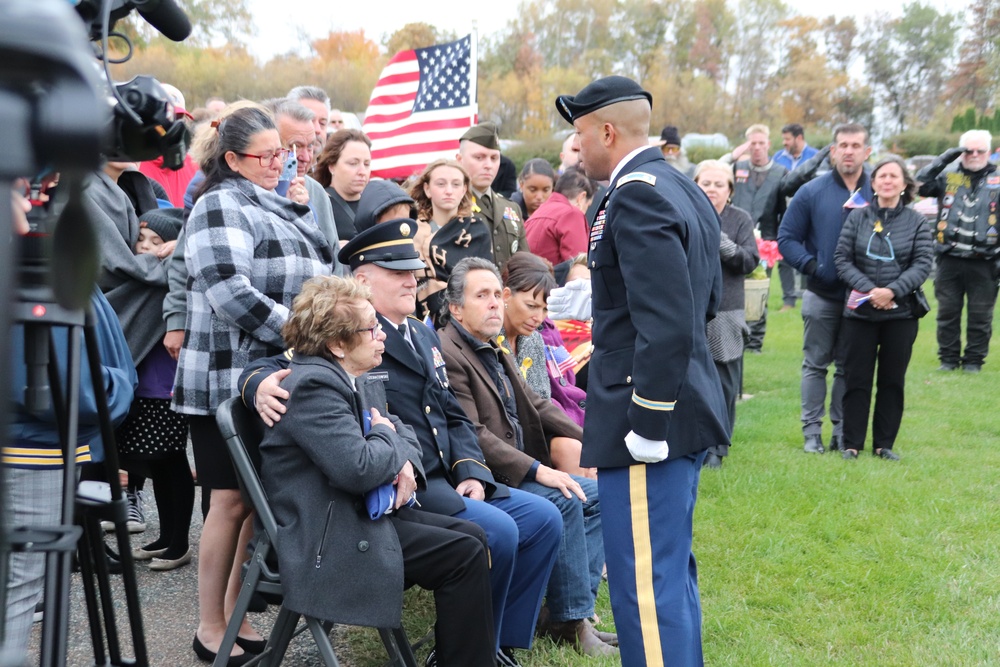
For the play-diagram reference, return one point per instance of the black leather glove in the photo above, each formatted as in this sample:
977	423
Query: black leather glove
793	180
934	169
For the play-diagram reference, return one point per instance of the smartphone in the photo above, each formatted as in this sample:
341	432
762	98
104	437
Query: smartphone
290	171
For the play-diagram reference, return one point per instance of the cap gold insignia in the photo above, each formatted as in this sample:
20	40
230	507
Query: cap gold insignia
361	258
404	229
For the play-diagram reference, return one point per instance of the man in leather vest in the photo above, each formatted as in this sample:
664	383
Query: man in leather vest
758	192
968	255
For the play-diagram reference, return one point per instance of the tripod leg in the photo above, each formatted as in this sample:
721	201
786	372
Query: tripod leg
111	465
86	556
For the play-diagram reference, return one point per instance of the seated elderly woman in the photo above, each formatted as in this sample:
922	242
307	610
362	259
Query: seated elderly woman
336	443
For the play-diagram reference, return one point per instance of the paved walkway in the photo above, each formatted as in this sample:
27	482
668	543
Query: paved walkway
169	602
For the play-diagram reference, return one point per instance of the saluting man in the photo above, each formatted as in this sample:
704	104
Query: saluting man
479	154
654	398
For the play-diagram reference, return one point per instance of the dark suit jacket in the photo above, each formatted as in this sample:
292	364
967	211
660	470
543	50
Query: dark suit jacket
656	278
477	392
336	563
418	391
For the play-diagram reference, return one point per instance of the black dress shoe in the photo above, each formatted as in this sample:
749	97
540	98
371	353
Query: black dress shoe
849	454
505	658
835	443
251	645
814	444
209	656
887	454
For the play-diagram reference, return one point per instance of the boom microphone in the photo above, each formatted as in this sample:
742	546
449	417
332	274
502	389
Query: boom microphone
165	16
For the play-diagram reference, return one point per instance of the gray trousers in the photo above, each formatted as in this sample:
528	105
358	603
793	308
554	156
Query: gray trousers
821	320
34	498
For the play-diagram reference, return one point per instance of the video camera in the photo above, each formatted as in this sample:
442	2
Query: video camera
59	113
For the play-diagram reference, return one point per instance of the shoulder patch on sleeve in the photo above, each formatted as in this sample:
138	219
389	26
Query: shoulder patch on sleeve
640	176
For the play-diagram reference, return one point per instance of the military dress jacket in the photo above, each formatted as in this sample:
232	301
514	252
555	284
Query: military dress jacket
477	392
337	564
506	223
419	393
657	279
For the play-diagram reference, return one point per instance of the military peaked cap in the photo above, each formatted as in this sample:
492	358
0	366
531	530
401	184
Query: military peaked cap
388	244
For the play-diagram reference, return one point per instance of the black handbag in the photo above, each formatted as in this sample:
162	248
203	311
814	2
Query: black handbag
921	306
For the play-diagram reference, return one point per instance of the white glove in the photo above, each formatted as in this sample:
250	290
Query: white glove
645	450
571	302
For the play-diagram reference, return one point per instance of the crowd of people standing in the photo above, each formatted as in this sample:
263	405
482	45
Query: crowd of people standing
426	335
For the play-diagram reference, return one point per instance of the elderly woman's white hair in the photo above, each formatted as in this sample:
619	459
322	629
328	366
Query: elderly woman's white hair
976	136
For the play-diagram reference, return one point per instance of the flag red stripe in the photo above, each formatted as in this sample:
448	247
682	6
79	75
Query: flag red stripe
402	56
421	127
402	77
393	99
375	118
401	172
415	148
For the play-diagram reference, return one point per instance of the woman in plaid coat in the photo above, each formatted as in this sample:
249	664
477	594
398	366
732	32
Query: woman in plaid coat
248	251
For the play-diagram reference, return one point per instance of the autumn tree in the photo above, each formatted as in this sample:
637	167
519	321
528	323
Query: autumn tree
974	80
906	60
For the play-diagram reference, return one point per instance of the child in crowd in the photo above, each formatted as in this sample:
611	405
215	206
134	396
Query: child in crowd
153	441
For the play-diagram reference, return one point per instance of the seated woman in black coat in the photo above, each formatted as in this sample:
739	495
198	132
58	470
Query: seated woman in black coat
334	444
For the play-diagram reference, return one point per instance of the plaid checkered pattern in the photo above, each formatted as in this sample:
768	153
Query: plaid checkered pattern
248	251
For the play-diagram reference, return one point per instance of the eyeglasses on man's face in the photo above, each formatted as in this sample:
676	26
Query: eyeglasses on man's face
373	331
976	151
267	159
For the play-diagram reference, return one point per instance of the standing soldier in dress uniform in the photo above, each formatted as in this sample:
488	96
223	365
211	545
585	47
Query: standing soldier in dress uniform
654	398
479	153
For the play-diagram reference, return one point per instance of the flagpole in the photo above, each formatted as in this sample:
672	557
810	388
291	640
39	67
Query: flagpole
474	79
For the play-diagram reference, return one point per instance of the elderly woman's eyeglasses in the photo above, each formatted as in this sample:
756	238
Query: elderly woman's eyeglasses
267	159
374	331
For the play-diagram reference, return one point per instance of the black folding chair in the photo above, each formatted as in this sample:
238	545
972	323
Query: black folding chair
243	432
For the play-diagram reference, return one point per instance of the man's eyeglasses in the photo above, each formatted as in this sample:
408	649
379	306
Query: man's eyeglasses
885	242
374	331
976	151
267	159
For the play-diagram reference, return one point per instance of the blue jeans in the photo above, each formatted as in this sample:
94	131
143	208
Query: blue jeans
577	572
524	533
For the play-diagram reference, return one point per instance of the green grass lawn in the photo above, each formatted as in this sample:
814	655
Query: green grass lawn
813	560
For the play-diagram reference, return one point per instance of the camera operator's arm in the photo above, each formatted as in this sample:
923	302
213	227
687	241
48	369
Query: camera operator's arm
175	303
117	230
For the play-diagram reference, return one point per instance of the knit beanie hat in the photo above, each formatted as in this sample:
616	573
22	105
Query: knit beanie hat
166	222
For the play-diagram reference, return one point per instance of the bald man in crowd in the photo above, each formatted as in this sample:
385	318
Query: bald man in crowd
654	399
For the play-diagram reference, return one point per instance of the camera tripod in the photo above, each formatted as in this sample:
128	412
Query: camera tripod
41	316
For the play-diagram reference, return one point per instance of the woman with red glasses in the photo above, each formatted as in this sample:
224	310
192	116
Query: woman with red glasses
248	251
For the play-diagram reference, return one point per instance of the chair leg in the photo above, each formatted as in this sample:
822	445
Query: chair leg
322	639
281	635
240	609
398	647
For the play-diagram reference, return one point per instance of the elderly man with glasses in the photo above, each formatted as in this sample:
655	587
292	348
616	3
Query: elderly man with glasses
968	253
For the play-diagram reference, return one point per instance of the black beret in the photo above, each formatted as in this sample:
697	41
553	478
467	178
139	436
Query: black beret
599	94
164	222
388	244
484	134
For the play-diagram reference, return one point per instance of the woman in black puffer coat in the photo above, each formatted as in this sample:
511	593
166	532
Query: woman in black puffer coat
884	253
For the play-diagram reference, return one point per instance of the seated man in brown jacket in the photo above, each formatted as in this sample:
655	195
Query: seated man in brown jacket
526	440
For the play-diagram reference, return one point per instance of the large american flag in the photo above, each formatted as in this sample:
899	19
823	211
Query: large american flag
424	101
